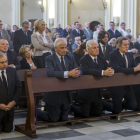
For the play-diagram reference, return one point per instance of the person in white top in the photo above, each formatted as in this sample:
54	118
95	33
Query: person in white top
42	43
123	31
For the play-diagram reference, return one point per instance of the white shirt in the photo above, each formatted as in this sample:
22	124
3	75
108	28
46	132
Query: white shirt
44	40
113	31
125	59
124	32
97	63
4	75
102	47
78	31
65	72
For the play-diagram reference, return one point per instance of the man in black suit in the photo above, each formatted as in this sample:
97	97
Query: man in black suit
90	100
66	32
77	32
137	44
22	37
11	55
104	48
113	32
122	61
60	65
10	91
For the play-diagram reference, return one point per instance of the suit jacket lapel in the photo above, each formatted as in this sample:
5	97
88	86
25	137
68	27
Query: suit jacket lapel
2	85
9	80
99	62
121	58
57	61
92	63
100	51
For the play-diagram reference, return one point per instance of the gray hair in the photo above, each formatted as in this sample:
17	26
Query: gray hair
67	26
4	40
88	44
59	41
113	40
2	55
25	22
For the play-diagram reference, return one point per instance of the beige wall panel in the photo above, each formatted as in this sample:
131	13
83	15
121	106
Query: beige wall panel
87	10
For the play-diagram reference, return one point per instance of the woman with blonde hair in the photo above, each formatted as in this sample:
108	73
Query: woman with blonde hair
27	61
42	43
112	43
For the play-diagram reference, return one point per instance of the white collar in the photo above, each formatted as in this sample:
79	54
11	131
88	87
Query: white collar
59	56
3	70
122	53
93	57
101	44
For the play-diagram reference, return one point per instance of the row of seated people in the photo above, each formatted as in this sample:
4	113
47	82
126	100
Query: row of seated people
62	65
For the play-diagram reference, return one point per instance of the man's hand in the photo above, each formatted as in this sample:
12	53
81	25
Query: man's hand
10	105
2	106
42	44
12	65
33	67
74	73
137	68
108	72
134	50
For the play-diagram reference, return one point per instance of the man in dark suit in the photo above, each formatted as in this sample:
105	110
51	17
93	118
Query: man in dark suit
113	32
123	62
10	91
137	44
59	29
11	55
88	32
77	32
59	65
90	100
66	32
104	48
22	37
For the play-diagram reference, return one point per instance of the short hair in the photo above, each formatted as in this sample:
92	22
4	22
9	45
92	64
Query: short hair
22	50
37	24
112	40
88	44
111	22
76	22
2	55
5	40
129	36
59	41
102	34
122	23
120	40
99	25
25	22
57	34
138	36
67	26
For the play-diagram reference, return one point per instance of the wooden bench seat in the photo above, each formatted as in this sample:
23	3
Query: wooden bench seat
45	84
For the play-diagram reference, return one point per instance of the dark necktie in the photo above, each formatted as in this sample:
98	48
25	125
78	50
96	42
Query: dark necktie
95	60
104	51
124	60
27	38
0	35
62	64
4	81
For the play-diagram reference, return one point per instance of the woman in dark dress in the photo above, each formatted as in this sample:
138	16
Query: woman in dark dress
27	61
80	52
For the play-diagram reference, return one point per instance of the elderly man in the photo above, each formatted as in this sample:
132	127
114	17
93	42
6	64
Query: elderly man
95	34
122	61
59	29
88	32
10	91
76	43
123	31
11	55
77	32
60	65
113	32
66	32
22	37
91	99
3	33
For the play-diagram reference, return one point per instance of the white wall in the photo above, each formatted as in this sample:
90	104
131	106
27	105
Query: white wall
6	11
87	10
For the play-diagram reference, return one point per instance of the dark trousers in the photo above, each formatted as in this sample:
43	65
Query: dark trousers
90	104
41	59
118	93
57	112
6	121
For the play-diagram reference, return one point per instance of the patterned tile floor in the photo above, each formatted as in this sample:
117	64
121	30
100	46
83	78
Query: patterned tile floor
127	128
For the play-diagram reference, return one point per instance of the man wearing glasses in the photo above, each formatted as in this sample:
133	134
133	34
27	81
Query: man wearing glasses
22	37
3	33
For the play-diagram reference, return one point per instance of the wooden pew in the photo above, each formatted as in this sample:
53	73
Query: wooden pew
45	84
